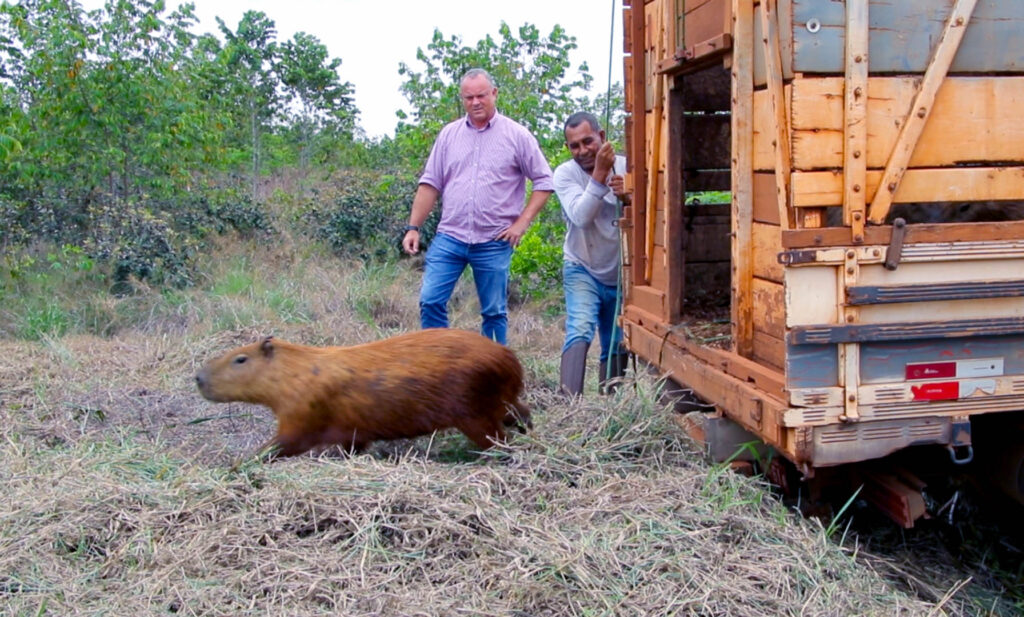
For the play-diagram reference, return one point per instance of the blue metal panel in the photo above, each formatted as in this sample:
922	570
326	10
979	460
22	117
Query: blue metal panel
886	362
903	35
811	366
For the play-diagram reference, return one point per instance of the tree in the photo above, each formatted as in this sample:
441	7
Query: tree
531	71
312	83
249	57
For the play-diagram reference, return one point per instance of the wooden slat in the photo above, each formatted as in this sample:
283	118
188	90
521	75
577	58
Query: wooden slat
780	117
981	115
742	138
637	144
825	188
765	206
674	237
697	181
654	167
742	401
649	299
769	350
707	90
707	141
960	232
767	246
855	139
917	117
770	300
706	29
767	379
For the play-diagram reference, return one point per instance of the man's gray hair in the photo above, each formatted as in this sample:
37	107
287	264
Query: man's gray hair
478	72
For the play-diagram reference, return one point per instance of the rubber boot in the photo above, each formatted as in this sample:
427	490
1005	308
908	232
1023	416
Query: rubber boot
612	371
574	366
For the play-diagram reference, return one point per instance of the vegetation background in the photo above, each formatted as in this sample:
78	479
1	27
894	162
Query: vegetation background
166	194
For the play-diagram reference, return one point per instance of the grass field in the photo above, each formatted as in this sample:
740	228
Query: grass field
118	500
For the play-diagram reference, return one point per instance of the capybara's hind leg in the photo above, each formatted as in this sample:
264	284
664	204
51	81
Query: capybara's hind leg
483	432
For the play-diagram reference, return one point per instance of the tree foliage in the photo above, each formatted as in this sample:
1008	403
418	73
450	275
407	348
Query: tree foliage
532	71
127	136
121	130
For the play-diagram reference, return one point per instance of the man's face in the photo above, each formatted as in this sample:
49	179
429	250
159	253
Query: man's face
583	143
478	97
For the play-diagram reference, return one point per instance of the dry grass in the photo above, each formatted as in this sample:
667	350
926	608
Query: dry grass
117	499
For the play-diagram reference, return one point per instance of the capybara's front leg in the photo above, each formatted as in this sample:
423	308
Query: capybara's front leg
483	432
279	445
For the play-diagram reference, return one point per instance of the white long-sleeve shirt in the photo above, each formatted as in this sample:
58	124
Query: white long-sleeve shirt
591	212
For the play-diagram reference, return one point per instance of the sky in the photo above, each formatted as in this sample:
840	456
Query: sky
372	36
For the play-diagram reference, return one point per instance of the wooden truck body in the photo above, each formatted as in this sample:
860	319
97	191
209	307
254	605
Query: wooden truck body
871	262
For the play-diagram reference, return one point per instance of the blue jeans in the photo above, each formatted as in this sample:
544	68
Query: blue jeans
589	305
446	260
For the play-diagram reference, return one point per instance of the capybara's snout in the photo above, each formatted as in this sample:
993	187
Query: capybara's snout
203	384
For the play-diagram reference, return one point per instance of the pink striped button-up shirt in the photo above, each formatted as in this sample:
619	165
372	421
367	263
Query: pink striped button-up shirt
481	175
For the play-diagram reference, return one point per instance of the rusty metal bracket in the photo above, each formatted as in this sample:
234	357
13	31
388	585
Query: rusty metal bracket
895	252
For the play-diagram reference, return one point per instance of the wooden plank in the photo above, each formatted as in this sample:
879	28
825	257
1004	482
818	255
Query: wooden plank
649	299
767	246
916	234
655	161
765	378
674	237
825	188
785	15
741	401
706	27
919	111
769	350
981	115
780	116
903	34
743	178
855	138
770	300
765	206
708	141
707	90
660	274
700	180
709	240
636	141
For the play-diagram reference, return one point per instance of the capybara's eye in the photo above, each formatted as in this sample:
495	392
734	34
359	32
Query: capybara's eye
241	359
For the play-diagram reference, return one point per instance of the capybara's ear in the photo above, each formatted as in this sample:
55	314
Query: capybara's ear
267	346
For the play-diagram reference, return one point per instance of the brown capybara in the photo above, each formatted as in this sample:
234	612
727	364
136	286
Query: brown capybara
405	386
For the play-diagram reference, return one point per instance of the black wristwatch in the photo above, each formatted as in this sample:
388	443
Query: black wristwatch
409	228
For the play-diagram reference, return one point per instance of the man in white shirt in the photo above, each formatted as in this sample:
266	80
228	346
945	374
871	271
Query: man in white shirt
590	189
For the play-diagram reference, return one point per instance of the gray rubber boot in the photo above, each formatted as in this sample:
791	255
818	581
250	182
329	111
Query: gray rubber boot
611	376
573	369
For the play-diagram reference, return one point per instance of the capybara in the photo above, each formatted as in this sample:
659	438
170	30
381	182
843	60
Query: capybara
405	386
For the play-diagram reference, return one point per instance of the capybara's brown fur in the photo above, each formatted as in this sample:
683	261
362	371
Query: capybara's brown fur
405	386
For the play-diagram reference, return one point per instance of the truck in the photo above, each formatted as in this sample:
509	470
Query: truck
857	302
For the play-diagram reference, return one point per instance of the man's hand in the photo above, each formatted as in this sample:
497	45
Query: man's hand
513	233
411	242
618	186
604	162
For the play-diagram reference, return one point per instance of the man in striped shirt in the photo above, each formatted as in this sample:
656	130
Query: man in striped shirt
478	166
